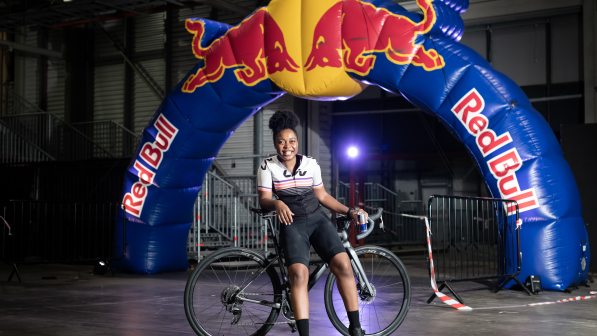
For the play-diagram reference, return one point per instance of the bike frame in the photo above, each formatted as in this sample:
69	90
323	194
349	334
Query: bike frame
313	277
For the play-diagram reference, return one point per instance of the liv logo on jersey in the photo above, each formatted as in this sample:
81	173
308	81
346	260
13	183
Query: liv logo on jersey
504	166
151	155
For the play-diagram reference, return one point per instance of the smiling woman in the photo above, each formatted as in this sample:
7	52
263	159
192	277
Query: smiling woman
295	180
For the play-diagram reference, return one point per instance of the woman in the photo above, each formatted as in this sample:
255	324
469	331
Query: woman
296	182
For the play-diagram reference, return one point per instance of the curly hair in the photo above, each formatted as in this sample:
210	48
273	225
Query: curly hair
281	120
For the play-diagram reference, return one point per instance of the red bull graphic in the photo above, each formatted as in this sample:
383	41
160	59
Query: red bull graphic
367	30
504	166
246	50
152	155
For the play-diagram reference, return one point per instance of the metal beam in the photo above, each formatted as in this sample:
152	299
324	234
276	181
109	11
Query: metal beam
589	32
225	5
512	10
377	112
410	110
32	50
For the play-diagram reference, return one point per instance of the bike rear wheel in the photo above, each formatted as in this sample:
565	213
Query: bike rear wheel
221	275
382	313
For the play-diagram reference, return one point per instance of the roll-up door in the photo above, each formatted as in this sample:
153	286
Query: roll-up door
325	144
56	76
149	32
145	101
234	18
27	75
103	46
239	144
148	50
108	91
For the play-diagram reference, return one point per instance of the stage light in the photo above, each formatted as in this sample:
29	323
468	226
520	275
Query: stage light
353	152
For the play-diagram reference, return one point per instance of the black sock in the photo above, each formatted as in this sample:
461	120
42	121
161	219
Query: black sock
303	327
353	318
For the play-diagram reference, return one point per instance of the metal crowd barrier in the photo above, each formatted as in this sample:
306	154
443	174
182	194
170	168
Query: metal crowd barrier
474	238
55	232
399	231
222	217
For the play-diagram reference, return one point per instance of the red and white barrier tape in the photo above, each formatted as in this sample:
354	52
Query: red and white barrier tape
451	302
445	299
5	222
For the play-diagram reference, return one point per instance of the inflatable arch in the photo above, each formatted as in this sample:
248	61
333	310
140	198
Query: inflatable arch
333	49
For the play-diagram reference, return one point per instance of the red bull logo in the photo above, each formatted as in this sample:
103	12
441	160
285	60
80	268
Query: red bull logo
151	154
349	36
252	52
367	30
504	166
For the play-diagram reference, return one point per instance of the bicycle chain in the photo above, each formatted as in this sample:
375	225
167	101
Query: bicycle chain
261	294
243	324
246	324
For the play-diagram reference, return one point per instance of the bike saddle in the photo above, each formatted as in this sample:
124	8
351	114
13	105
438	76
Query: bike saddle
262	212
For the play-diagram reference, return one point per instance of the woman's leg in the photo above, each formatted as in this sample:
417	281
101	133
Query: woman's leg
299	279
340	266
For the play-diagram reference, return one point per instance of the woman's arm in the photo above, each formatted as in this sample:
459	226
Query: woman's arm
266	202
332	204
264	188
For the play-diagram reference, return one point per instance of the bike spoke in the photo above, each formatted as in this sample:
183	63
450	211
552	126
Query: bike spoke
255	290
236	272
206	308
223	316
212	269
377	316
395	283
224	267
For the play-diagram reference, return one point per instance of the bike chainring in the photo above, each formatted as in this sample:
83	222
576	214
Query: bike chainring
287	311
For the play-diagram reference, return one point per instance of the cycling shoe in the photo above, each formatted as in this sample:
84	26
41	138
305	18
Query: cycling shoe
356	332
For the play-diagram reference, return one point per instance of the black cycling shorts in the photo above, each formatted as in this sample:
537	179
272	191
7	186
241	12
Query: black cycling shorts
296	239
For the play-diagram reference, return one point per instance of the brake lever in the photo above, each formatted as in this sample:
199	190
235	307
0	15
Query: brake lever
381	224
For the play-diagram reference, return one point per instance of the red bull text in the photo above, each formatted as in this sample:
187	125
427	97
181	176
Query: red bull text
504	166
151	155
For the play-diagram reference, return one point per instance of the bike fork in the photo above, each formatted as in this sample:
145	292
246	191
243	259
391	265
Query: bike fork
358	270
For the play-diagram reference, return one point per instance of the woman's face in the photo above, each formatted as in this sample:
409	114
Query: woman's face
286	144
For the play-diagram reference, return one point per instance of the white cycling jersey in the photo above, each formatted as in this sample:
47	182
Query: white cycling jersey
296	191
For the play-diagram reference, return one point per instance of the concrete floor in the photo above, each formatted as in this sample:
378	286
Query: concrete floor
78	303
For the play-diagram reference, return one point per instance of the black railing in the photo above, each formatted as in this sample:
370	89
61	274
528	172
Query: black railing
59	232
474	238
111	136
47	134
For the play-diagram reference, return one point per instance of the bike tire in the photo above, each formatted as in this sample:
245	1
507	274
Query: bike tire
391	260
254	263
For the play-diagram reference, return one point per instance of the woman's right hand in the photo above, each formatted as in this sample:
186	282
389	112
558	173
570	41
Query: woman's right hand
284	213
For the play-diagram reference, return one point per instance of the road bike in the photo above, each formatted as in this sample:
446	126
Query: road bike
237	291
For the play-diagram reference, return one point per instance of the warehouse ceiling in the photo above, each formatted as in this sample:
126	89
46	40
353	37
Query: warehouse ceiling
54	14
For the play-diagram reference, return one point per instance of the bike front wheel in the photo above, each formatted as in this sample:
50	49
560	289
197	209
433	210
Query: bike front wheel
382	312
207	303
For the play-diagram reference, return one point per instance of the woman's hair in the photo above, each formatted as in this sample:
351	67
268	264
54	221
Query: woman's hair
281	120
